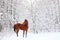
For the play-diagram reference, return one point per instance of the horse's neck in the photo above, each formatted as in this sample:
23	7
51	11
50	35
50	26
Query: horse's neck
25	25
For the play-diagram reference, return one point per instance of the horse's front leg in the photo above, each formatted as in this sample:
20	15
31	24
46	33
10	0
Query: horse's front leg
26	33
23	33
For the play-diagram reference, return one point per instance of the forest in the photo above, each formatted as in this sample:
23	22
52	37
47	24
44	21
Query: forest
42	15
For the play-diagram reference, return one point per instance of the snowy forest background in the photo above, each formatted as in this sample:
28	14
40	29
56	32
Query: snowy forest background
42	15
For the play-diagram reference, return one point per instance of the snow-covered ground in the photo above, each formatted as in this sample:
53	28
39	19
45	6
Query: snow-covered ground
11	35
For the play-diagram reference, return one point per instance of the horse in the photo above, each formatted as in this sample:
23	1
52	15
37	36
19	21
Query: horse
23	26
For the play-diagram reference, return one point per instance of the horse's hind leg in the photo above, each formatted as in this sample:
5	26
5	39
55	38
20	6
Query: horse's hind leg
17	32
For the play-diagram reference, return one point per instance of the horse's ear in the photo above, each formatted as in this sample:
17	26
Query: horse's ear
25	19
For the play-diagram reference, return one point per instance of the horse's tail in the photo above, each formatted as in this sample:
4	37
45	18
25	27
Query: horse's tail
14	28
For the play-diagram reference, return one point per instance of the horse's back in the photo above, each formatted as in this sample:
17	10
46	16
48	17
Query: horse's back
21	26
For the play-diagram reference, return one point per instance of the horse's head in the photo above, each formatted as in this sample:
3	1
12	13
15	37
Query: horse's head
25	22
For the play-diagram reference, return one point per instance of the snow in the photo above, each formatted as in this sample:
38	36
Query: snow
11	35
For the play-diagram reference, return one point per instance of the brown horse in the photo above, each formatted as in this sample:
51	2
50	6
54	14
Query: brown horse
23	27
